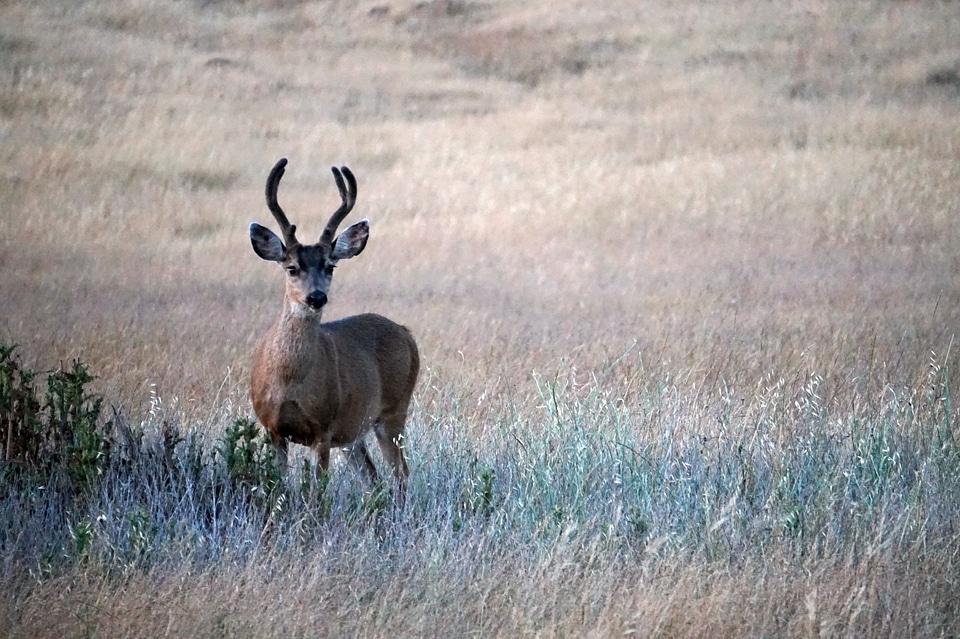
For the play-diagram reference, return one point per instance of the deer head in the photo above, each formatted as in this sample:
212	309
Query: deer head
309	267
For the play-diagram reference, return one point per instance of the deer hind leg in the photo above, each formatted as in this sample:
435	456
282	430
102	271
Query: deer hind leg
389	431
359	457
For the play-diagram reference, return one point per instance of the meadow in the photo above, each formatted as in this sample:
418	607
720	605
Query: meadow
685	279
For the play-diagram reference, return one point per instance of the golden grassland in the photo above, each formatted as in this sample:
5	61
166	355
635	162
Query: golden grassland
717	198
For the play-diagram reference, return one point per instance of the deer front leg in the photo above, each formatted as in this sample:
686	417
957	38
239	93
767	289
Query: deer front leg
322	450
279	451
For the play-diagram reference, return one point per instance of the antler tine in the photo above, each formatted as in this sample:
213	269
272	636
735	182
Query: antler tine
348	197
273	181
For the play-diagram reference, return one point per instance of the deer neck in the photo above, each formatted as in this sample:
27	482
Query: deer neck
299	314
295	337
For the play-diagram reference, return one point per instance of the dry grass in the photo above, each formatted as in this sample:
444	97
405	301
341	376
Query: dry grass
305	599
724	200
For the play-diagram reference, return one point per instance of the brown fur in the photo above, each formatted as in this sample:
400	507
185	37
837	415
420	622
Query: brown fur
327	385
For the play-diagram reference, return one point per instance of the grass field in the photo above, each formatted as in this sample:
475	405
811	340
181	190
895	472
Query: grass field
685	280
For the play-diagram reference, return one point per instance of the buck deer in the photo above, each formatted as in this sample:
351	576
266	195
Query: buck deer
326	385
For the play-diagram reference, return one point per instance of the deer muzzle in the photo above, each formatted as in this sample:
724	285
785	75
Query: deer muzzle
316	300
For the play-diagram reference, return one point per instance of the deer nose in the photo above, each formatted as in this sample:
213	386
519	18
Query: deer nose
316	299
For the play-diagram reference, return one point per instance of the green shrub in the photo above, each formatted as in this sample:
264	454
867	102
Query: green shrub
20	413
63	432
249	461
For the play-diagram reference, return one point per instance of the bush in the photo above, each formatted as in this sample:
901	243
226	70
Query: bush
62	432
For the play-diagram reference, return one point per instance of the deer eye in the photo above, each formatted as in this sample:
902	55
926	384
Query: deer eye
293	270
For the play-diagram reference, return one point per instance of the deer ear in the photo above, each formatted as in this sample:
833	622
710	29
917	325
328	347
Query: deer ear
352	241
266	244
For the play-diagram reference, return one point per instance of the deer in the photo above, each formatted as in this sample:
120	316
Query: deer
328	384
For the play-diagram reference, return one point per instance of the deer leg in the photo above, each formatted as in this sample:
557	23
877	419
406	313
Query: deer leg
279	451
389	433
322	451
359	457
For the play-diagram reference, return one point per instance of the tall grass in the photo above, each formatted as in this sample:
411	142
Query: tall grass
556	517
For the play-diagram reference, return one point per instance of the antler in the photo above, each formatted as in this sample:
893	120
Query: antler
348	195
273	181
